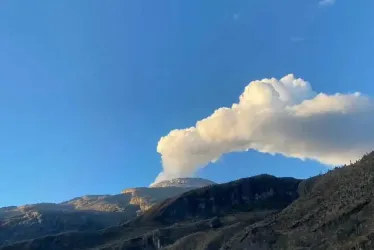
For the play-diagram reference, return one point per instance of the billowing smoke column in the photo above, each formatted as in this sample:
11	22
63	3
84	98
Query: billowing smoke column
275	116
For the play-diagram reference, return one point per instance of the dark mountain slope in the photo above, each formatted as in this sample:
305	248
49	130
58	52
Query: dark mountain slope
335	213
237	204
262	192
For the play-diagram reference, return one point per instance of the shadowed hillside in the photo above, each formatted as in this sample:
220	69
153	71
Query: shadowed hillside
84	214
261	192
226	207
336	212
330	211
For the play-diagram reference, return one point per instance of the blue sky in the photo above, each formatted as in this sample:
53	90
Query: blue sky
87	88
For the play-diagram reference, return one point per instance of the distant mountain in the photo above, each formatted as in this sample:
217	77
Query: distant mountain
329	211
86	213
184	182
202	218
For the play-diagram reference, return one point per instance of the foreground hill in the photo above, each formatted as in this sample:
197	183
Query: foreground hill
211	214
334	212
330	211
87	213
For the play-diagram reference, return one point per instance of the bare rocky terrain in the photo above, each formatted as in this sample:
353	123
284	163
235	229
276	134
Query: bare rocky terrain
224	207
87	213
329	211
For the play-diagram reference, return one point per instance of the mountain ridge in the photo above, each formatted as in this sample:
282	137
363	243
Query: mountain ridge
328	211
160	227
85	213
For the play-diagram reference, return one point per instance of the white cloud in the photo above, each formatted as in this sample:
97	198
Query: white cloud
326	2
275	116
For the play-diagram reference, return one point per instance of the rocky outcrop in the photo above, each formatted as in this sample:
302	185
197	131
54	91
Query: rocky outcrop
103	203
145	198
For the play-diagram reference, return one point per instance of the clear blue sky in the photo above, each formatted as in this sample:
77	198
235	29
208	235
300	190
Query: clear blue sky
87	87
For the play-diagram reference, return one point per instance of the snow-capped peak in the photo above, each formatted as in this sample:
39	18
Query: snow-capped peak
184	182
